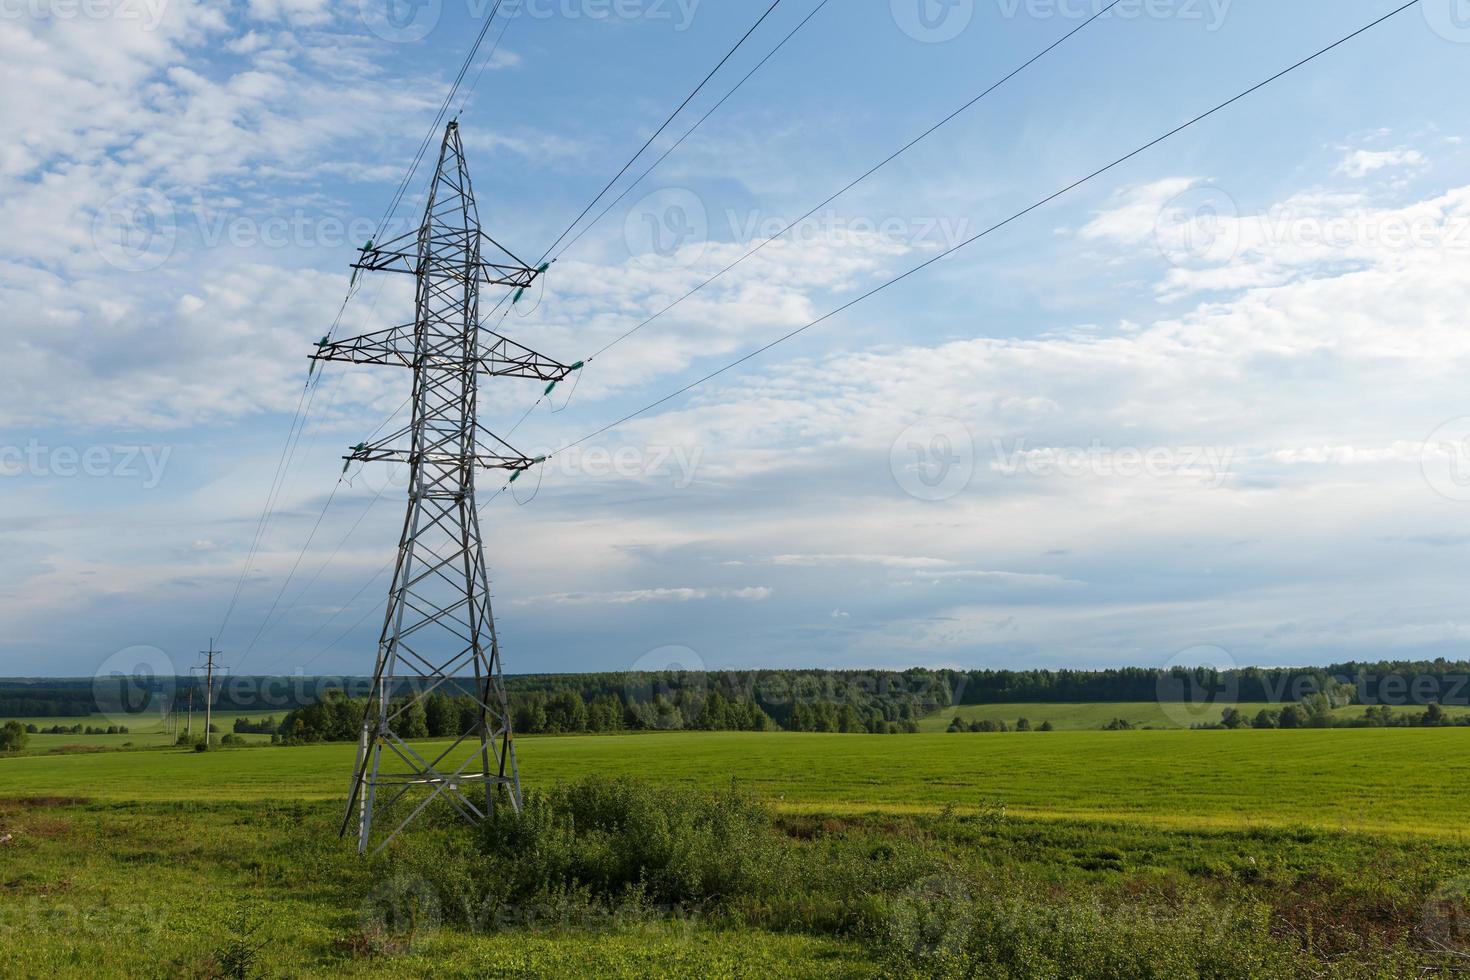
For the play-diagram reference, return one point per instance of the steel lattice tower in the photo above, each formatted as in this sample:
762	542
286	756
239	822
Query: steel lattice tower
438	624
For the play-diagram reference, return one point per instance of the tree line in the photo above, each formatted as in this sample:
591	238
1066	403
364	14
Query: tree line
1317	713
792	699
593	704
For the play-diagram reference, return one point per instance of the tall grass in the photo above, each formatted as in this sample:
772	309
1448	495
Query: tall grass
952	896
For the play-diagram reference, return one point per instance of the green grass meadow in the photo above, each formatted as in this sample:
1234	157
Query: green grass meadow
1393	780
148	731
1141	714
101	872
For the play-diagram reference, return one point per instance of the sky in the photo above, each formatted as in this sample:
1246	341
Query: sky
1207	407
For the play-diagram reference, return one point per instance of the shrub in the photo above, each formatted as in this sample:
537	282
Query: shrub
13	737
613	836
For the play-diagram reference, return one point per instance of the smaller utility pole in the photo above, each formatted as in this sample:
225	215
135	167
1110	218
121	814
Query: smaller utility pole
208	669
189	725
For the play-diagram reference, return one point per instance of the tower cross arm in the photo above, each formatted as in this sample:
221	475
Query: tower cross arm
441	251
446	448
496	356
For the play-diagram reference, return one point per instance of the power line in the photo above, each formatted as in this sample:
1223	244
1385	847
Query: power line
725	98
438	118
278	480
665	125
292	574
647	143
851	184
505	26
335	551
993	228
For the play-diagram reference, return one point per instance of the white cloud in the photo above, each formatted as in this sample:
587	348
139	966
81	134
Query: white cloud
1135	216
623	597
1361	163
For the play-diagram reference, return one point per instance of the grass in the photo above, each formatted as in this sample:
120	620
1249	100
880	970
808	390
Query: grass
1401	781
1093	716
161	863
115	890
119	889
145	731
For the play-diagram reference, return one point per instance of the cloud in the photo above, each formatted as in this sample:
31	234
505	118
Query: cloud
1134	217
888	561
1361	163
681	594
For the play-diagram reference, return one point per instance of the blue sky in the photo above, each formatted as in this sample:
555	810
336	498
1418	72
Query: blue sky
1212	401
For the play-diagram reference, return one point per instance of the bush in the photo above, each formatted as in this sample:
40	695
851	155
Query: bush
611	837
612	852
13	737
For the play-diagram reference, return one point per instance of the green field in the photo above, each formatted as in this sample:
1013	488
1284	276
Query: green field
101	873
1398	780
1142	714
146	731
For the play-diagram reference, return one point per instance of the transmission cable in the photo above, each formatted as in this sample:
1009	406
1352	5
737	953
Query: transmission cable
850	185
438	118
993	228
659	132
690	132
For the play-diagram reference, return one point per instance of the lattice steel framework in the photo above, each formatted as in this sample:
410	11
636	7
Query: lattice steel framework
438	626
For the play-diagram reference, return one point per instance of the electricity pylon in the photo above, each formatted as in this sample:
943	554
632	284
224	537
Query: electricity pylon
438	624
